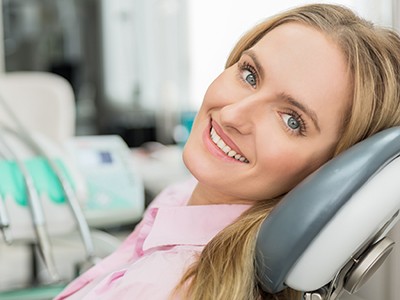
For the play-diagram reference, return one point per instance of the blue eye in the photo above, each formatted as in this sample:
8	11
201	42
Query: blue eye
248	74
292	122
250	78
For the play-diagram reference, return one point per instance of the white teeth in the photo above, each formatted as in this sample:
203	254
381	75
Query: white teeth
214	136
215	139
221	144
225	148
231	153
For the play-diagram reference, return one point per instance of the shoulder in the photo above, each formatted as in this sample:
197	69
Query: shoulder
155	276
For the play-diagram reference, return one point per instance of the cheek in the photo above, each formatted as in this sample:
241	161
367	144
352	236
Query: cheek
194	153
285	162
285	166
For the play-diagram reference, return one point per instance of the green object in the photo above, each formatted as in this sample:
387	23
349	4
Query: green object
34	293
11	182
44	179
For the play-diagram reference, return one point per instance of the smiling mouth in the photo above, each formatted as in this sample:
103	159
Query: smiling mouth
219	142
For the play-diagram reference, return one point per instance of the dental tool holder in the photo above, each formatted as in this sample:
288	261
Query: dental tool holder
33	207
57	216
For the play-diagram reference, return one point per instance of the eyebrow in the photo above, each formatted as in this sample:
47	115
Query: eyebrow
304	108
257	63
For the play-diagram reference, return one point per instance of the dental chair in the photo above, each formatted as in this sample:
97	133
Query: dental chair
40	99
329	234
41	192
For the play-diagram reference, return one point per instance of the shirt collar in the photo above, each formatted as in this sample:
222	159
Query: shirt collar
190	225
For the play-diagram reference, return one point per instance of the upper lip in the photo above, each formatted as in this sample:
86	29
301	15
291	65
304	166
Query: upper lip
225	138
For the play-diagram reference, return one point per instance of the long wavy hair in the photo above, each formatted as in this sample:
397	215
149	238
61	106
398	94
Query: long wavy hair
225	269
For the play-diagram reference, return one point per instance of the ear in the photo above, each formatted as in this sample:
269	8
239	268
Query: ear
334	214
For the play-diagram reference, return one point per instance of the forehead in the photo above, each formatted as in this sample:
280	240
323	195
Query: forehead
300	46
307	64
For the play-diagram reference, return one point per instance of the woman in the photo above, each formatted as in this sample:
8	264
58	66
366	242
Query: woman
297	90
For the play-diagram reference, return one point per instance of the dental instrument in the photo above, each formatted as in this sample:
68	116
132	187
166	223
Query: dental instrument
4	222
66	186
36	211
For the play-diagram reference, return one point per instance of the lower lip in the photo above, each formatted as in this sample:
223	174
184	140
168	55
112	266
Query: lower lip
214	149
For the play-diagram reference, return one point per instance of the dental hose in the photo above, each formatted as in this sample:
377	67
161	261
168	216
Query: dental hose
66	186
37	214
4	222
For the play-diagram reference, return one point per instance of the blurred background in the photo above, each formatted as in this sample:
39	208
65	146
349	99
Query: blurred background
139	70
137	67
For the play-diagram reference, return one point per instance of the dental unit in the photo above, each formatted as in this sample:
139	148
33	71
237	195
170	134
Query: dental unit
4	222
36	211
23	134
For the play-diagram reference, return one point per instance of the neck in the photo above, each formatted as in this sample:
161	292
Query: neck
206	195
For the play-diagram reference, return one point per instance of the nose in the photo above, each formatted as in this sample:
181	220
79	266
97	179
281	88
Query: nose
241	115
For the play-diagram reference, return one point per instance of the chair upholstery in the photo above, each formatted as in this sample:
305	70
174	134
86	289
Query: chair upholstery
44	102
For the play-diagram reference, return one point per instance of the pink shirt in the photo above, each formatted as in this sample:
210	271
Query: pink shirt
151	261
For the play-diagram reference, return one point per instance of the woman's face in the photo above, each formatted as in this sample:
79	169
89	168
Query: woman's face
271	119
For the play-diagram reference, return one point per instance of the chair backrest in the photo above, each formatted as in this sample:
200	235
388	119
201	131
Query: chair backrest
43	102
333	218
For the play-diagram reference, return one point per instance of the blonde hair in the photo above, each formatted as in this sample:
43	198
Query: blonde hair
225	268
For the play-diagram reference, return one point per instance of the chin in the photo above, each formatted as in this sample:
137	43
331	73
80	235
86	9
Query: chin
189	158
185	157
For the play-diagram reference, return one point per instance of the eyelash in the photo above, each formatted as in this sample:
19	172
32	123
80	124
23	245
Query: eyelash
302	124
246	66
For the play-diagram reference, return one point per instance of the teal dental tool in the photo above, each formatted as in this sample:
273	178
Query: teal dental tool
67	188
44	180
35	208
12	186
4	222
